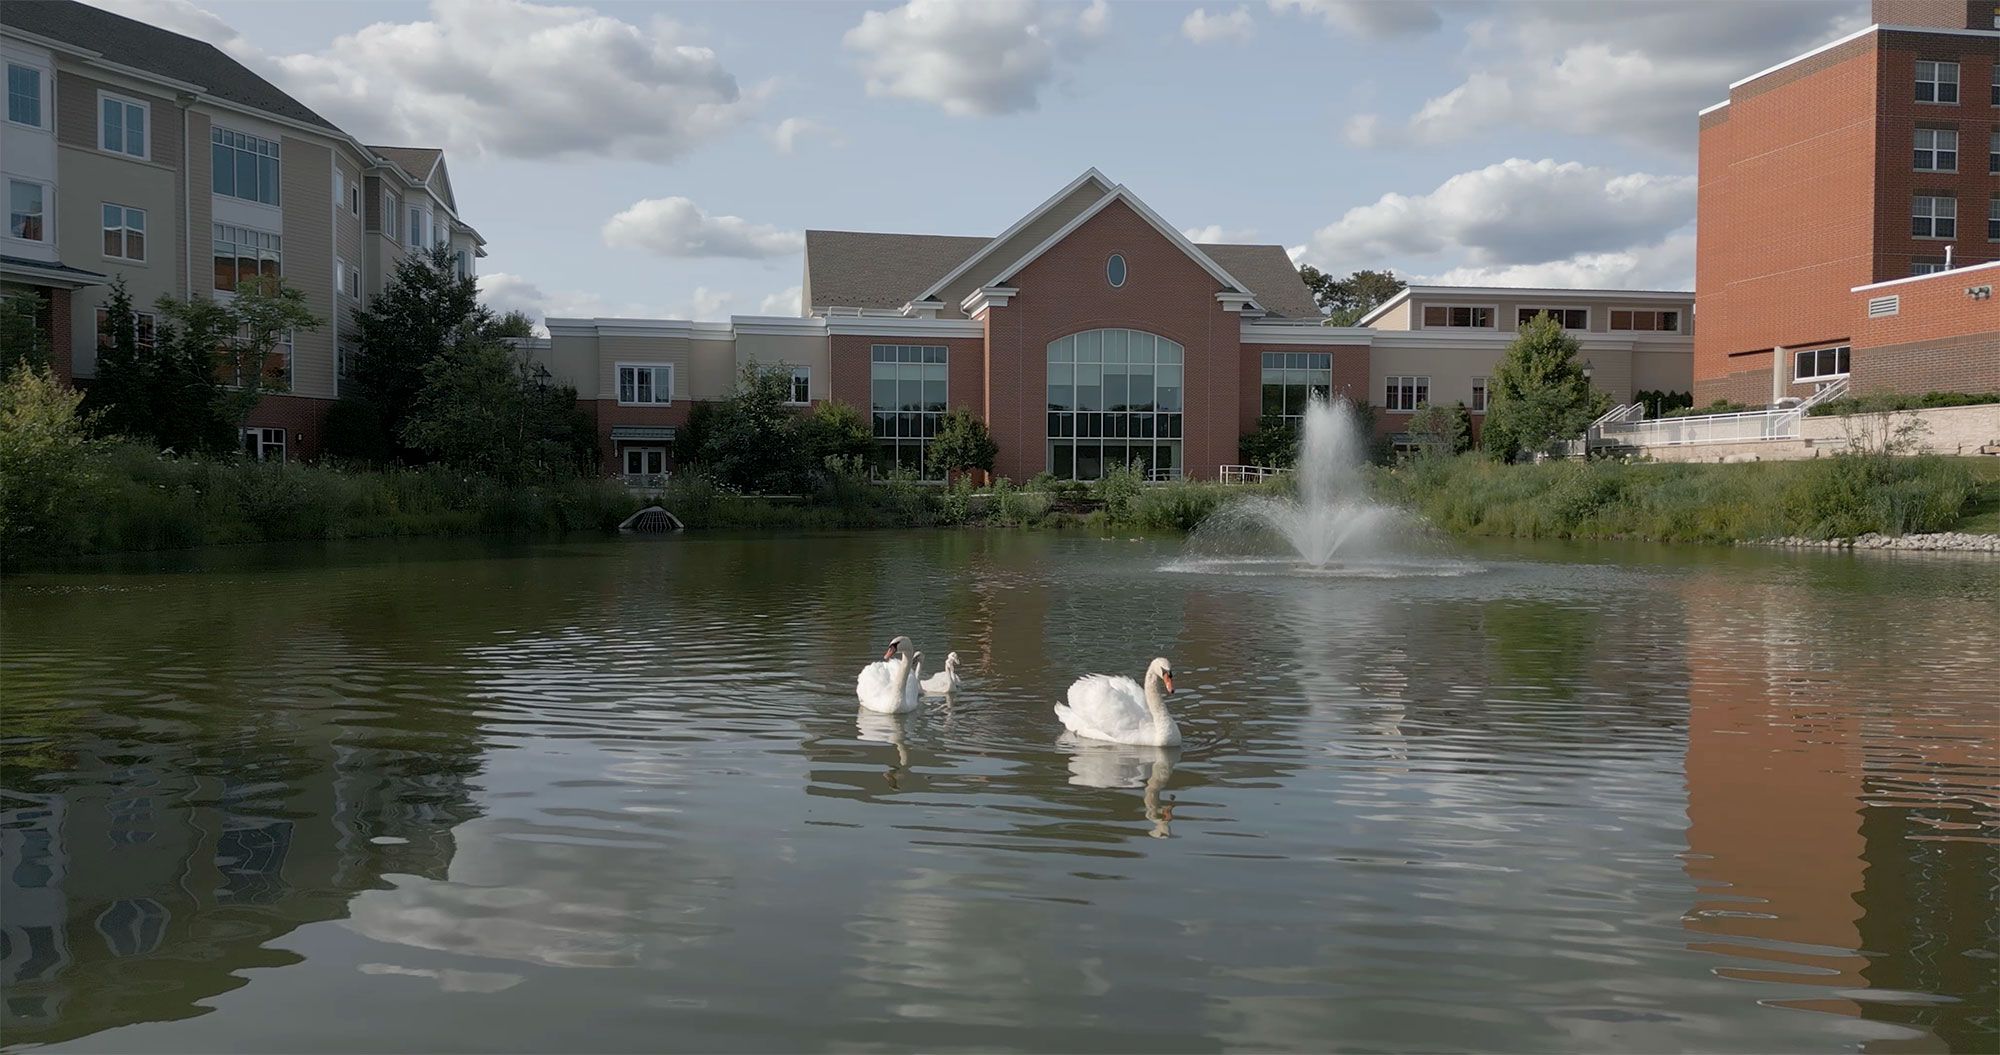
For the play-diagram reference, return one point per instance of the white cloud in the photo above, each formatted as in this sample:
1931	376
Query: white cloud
785	135
1634	71
676	227
971	59
1203	28
1369	18
706	304
504	292
783	302
501	77
1545	221
1215	232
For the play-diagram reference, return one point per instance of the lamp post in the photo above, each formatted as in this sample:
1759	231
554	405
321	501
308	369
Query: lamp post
1587	371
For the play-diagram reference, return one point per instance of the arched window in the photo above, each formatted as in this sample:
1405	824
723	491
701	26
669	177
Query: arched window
1114	396
1114	269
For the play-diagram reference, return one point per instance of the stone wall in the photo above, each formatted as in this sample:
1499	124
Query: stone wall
1949	430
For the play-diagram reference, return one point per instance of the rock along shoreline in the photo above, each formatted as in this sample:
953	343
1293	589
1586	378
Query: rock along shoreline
1932	542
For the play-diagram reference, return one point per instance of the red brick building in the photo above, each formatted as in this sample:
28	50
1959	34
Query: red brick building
1849	212
1088	334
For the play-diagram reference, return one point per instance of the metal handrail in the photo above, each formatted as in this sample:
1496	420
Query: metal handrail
1248	474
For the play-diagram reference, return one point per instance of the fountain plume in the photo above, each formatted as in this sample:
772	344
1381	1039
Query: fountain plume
1330	514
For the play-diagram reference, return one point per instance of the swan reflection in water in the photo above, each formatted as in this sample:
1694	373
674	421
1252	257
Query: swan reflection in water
872	727
1097	764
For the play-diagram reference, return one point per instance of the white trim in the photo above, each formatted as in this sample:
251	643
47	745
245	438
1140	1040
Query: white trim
931	292
48	239
1767	71
1122	193
1711	108
45	91
977	301
618	387
778	325
1934	274
1242	303
97	126
612	327
793	380
895	326
1383	308
1417	319
1258	331
124	240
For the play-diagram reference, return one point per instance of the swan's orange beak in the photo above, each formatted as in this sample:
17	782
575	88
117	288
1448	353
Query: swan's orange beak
1169	679
887	652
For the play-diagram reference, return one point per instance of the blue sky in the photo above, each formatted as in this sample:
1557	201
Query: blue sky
656	159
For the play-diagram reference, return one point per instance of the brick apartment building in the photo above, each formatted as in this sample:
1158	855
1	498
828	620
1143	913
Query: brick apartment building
1849	213
1088	333
126	147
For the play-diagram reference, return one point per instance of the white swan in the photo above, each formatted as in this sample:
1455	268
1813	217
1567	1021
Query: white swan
944	682
1103	707
885	685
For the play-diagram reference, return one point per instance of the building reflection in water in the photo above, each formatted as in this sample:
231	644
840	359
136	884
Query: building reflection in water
1843	821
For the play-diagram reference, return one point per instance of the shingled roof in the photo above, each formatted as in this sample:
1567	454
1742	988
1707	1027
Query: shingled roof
155	50
857	269
417	161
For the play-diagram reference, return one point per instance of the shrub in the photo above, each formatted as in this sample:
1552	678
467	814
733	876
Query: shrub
1882	402
47	471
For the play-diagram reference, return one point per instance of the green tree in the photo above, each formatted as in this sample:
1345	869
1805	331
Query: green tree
516	323
1539	394
1274	444
123	398
1345	300
962	442
22	342
428	309
481	410
45	466
1440	430
835	434
749	442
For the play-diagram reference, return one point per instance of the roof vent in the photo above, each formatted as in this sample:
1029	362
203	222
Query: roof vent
1880	306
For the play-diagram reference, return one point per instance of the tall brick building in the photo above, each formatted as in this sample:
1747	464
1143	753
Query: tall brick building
1849	213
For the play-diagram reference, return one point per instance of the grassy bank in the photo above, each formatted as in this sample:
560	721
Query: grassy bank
1837	497
133	499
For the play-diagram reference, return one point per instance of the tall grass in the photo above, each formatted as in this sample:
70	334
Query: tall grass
142	501
1821	498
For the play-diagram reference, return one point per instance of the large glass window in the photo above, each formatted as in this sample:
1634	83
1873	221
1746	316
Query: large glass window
1447	315
124	232
1819	363
123	128
1114	396
242	254
645	383
1936	150
1937	82
24	95
1646	321
24	210
1292	379
1567	318
243	166
908	388
1933	217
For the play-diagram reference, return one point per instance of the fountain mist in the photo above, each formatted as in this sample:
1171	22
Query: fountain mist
1331	512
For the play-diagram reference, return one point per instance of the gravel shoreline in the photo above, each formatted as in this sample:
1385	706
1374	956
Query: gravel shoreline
1936	542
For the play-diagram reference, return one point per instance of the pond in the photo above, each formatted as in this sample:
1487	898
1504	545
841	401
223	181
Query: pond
615	795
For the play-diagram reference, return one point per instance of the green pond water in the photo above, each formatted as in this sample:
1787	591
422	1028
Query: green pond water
615	795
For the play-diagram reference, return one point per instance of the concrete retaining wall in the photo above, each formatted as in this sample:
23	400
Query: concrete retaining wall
1947	430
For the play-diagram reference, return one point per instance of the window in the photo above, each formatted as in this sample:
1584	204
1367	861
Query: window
144	326
1292	379
801	385
1996	68
244	166
1114	269
645	383
1937	150
1567	318
1407	393
263	444
1993	147
354	198
1926	265
645	461
25	202
1933	217
339	185
123	127
391	208
1993	219
350	280
24	95
464	264
242	254
437	233
1443	315
124	232
907	391
1116	397
1810	364
415	234
1937	82
1479	395
1646	321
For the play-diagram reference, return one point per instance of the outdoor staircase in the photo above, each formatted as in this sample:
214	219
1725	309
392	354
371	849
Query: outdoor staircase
1990	448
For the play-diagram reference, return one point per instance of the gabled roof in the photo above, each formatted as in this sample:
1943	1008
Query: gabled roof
1131	201
856	269
416	162
1273	280
1090	177
151	49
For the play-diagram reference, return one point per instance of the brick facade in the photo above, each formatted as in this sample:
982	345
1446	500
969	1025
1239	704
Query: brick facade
605	413
302	417
61	358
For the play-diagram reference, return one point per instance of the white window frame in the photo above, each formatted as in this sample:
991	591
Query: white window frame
48	213
124	238
464	260
1934	216
268	438
354	197
391	222
146	336
1419	386
1482	394
145	136
1519	308
42	83
1936	150
350	280
800	375
414	236
618	381
1926	267
1993	219
1492	310
235	191
277	248
1679	314
1937	81
1837	349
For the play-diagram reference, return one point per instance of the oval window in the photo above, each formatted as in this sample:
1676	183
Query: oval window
1114	269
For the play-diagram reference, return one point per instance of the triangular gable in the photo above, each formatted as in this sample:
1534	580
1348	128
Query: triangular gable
935	288
1120	193
439	181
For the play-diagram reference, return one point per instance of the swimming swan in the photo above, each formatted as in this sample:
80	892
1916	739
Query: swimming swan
944	682
885	685
1103	707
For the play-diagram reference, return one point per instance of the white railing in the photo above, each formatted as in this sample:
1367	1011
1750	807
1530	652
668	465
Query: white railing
1249	474
1780	423
1163	476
